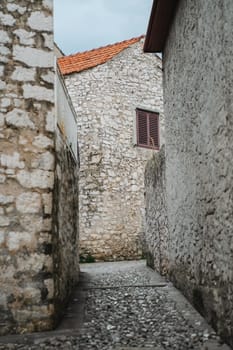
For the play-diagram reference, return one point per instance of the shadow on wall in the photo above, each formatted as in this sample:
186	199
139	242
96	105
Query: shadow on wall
65	225
156	230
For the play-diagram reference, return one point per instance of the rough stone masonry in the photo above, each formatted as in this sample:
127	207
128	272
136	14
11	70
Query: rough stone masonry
198	76
29	297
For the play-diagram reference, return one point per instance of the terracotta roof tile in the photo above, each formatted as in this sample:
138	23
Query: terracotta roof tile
89	59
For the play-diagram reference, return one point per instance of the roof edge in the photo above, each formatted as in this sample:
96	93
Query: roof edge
137	38
71	59
162	14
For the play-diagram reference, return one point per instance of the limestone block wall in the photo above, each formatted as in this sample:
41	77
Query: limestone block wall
27	165
112	168
156	228
198	75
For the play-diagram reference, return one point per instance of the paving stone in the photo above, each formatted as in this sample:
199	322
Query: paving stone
127	306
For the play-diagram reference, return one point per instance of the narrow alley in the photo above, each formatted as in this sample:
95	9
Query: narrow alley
122	306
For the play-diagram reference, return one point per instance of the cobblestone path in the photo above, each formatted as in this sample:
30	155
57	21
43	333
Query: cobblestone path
126	306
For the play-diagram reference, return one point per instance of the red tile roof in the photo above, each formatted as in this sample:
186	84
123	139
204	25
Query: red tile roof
89	59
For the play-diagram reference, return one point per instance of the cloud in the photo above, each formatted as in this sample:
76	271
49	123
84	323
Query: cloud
85	24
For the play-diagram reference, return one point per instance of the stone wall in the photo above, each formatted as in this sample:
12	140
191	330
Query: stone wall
156	232
112	168
198	75
27	165
65	230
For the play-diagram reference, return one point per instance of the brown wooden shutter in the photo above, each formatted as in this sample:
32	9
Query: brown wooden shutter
142	128
153	130
147	129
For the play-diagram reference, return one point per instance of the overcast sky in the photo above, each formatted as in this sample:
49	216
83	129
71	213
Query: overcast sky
86	24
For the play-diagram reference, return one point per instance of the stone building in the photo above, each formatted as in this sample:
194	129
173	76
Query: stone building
197	44
109	86
38	174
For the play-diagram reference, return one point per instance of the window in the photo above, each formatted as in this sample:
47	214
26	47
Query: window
147	129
